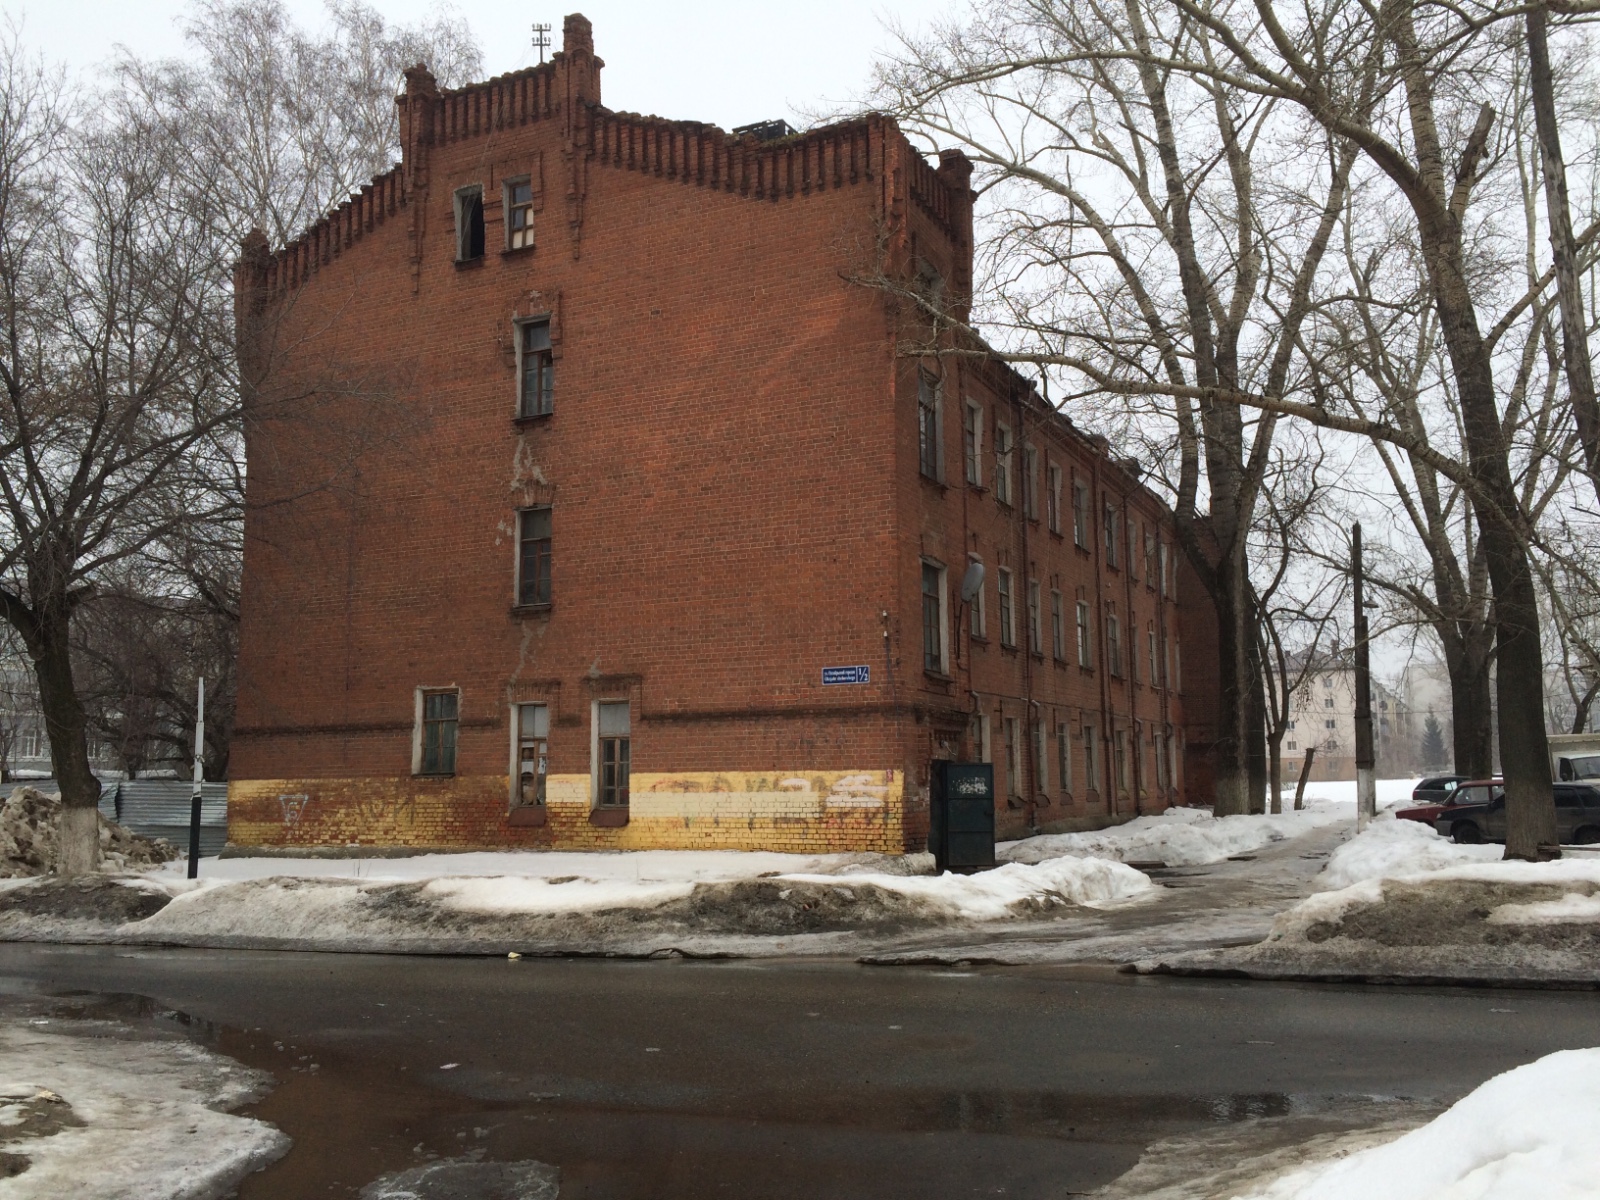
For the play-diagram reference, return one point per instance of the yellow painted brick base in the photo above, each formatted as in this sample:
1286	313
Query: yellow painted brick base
809	812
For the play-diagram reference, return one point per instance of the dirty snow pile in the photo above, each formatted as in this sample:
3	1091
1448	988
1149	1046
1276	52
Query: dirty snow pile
29	821
1178	837
94	1117
1389	847
1529	1134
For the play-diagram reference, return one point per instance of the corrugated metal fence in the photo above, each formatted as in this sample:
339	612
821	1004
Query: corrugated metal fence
160	808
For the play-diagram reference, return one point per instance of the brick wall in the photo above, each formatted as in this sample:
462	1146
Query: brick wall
731	469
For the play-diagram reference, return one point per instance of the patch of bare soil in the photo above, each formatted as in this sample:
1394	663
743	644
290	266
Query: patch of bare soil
30	821
1456	912
84	898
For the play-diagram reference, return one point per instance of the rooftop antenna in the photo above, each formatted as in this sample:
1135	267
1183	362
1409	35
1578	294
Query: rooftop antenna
541	40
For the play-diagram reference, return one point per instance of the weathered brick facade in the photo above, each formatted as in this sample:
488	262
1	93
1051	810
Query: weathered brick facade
736	499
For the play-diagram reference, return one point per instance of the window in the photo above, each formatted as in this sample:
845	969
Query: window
436	735
1177	667
1161	559
1091	760
1114	644
1080	516
1133	652
1112	534
1133	548
1150	565
1064	757
1155	660
1291	726
1330	724
1008	628
978	615
533	754
1292	746
1002	463
972	443
536	370
978	737
1035	634
1166	659
928	425
469	223
933	636
1084	639
1119	759
1327	702
1030	482
1327	681
1052	499
533	557
1013	757
1041	763
519	213
612	726
1058	631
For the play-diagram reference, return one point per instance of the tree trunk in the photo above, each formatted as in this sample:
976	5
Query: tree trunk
1232	727
1305	774
1471	714
1275	770
49	647
1256	730
1564	249
1519	665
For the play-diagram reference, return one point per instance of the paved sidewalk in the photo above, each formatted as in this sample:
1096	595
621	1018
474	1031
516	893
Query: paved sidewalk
1230	903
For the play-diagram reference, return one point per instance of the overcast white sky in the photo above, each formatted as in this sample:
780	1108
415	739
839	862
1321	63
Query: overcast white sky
725	61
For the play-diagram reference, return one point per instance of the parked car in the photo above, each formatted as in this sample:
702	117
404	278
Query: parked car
1431	797
1577	817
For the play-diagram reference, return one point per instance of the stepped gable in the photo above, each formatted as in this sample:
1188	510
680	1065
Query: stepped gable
867	149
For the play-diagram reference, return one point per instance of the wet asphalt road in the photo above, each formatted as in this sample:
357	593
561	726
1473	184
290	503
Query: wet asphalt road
787	1079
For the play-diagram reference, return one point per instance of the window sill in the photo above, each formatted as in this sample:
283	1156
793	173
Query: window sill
1036	655
932	482
433	774
531	610
938	675
528	816
976	487
469	264
518	251
610	817
1081	549
1058	535
525	419
978	639
1008	648
1005	504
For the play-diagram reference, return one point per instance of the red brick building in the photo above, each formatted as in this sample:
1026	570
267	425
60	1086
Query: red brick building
596	501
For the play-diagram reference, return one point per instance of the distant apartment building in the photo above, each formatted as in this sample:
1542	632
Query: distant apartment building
24	741
1323	715
605	490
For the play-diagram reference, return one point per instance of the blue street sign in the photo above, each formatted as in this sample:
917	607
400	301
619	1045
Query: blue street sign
835	675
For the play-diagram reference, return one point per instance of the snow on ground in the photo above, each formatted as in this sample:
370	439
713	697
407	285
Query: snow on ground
1179	837
1528	1134
99	1117
1389	847
619	866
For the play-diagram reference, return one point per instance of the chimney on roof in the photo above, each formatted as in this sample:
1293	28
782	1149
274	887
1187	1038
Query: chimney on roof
576	61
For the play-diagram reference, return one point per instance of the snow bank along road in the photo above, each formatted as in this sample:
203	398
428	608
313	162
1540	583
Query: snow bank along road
1400	903
637	903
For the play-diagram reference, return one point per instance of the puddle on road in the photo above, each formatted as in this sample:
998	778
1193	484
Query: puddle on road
363	1125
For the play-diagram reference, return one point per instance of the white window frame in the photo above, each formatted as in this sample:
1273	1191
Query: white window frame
1085	635
1035	619
1013	732
418	700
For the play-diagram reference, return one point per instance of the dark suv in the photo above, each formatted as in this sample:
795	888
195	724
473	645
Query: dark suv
1577	817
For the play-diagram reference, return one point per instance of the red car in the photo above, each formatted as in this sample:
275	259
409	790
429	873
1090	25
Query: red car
1474	791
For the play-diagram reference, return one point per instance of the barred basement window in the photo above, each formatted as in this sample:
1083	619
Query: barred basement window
437	741
536	369
533	557
612	753
519	213
469	223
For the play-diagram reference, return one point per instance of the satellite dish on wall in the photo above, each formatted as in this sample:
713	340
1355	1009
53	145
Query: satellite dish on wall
971	581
